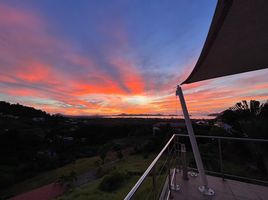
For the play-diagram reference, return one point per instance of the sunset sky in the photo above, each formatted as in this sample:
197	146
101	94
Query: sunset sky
85	57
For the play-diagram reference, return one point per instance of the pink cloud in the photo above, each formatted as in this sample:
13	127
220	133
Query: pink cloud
15	17
129	74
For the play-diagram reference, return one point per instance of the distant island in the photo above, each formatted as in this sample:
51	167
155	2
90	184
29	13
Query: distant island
214	114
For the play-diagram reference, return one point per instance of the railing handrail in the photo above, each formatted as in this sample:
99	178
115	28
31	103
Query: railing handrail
144	175
225	138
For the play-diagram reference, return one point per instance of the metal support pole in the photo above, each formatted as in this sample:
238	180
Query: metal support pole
220	156
204	188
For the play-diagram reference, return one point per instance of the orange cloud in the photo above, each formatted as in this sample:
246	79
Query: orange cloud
129	74
34	72
107	87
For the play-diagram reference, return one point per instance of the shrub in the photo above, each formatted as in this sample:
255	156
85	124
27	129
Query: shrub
98	162
134	173
119	154
145	156
6	179
102	171
103	152
113	181
68	181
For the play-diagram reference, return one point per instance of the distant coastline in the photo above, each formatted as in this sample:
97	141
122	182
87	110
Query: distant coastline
144	116
125	114
214	114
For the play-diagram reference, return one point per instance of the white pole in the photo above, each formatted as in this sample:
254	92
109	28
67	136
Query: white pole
204	188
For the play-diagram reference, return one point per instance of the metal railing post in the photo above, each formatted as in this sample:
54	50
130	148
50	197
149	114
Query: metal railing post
169	183
169	175
220	156
175	163
177	154
184	163
154	183
204	188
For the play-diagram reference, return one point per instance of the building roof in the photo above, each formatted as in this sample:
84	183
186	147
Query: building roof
237	40
171	124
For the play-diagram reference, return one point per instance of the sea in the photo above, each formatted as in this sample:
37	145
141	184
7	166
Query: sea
158	116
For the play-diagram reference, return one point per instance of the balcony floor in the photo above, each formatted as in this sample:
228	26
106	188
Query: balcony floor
224	190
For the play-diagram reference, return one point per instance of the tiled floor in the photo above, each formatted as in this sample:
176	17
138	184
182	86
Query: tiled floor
224	190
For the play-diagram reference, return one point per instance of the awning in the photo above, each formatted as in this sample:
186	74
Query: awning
237	40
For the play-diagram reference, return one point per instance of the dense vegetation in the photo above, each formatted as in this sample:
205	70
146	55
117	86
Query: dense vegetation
32	141
20	110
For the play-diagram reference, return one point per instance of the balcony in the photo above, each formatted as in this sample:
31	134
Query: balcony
173	173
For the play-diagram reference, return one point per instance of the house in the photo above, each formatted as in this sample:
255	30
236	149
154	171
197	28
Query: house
175	126
68	140
202	123
223	125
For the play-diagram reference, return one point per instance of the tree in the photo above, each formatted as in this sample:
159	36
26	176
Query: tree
113	181
250	120
119	154
103	152
242	114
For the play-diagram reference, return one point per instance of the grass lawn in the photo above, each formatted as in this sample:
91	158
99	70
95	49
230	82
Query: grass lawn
80	166
91	191
135	163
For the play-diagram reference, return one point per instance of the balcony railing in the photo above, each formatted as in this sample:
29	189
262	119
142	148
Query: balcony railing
159	179
150	184
229	157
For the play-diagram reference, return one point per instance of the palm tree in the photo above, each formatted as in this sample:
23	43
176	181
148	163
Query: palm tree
250	120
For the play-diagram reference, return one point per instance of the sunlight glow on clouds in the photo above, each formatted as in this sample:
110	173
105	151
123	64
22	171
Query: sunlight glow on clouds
137	100
117	62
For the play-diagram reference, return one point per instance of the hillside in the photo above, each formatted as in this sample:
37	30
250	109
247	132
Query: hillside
20	110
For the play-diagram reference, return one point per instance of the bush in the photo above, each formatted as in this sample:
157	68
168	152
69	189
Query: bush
135	173
6	179
103	152
98	162
119	154
68	181
145	156
113	181
102	171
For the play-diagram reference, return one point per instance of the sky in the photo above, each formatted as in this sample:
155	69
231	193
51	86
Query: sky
97	57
